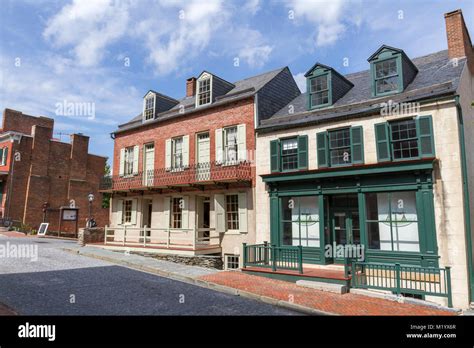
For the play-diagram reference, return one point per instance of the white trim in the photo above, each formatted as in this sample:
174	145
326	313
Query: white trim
144	105
204	76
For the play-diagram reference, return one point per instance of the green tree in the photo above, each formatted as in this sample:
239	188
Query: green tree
106	195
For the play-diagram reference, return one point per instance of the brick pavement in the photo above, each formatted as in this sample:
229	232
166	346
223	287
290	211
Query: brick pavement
347	304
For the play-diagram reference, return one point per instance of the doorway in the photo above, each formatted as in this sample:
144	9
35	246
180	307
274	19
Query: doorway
203	204
344	221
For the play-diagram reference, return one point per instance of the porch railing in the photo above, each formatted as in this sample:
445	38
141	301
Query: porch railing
185	238
192	174
399	279
274	257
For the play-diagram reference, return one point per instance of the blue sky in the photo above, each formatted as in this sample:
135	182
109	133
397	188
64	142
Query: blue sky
109	53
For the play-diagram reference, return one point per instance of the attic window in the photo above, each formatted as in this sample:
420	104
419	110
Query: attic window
204	91
319	90
386	76
149	107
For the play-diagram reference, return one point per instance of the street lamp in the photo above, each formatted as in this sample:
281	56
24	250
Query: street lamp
90	198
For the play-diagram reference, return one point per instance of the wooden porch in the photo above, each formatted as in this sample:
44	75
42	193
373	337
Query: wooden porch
198	241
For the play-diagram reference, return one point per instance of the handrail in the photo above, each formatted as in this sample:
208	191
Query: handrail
274	257
191	174
418	280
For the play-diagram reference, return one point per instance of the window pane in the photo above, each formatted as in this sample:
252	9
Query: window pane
319	83
319	98
392	221
386	68
289	154
300	221
177	153
232	211
176	212
387	84
340	146
204	91
230	144
404	139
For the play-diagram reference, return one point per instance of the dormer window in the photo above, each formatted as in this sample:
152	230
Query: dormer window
319	90
391	71
386	76
149	107
325	86
204	91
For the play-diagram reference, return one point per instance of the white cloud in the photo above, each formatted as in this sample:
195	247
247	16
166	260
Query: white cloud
325	15
300	81
252	6
175	39
256	56
89	27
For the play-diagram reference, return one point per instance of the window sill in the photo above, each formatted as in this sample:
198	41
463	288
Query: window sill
233	232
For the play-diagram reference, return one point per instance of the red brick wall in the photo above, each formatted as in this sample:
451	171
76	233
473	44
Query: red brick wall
239	112
18	122
54	172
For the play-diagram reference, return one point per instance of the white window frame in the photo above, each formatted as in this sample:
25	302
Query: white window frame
124	211
226	261
226	146
128	166
203	77
174	155
146	109
232	230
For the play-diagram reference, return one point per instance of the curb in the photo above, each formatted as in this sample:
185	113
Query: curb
208	285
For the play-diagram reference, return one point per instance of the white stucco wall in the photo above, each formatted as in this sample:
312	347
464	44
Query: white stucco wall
448	199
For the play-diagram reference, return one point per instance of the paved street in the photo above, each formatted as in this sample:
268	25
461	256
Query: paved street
62	283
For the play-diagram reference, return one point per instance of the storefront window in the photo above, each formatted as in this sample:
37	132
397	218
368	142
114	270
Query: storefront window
392	221
300	221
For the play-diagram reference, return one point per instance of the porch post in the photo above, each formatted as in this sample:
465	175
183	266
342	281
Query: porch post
124	234
144	236
105	234
274	264
300	259
244	254
195	231
448	286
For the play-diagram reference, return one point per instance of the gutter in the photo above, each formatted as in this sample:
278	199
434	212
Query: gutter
467	208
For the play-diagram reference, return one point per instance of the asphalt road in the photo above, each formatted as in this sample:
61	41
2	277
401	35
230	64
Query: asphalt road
61	283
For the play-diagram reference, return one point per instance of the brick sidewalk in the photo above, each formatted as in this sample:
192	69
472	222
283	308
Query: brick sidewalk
347	304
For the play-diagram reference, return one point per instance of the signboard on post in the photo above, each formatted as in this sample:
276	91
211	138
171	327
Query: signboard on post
69	214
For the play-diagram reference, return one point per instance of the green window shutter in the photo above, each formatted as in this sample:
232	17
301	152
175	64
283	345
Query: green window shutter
383	142
275	155
424	125
323	151
303	152
357	145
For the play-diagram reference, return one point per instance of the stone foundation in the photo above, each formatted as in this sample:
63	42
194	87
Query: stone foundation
207	261
90	235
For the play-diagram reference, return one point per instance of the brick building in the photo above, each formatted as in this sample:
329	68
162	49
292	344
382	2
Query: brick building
35	169
184	172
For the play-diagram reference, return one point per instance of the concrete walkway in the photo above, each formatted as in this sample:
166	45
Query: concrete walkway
147	264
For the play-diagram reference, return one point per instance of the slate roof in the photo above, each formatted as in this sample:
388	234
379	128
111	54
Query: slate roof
437	75
242	89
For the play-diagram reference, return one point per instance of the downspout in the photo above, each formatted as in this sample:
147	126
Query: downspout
467	208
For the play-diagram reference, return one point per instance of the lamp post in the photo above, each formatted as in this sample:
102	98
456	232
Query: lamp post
90	198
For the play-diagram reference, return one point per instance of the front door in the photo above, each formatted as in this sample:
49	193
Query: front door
344	222
203	208
203	172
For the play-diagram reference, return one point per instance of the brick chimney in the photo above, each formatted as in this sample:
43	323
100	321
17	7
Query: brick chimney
459	42
190	87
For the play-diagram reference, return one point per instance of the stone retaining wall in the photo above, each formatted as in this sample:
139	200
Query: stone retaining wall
207	261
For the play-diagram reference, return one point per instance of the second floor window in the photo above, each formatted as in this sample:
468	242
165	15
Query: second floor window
386	76
230	145
177	153
404	139
149	108
204	91
289	154
128	161
319	90
340	146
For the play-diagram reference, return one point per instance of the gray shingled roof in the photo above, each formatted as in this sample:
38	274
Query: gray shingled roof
436	75
243	88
